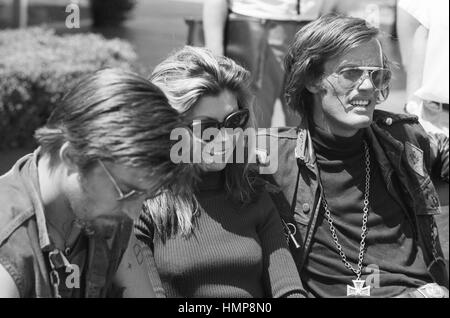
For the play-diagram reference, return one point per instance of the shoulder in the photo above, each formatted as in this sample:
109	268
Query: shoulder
266	190
385	118
16	207
397	123
274	139
419	10
17	255
278	132
19	258
402	127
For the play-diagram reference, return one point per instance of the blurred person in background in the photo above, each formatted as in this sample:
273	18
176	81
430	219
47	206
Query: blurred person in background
423	31
262	51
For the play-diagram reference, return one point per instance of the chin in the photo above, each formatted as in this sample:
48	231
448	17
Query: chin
362	120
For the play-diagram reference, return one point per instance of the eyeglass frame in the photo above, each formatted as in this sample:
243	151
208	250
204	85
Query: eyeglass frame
368	71
221	125
122	196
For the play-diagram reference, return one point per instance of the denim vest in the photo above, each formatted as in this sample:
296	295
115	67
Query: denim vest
25	243
406	158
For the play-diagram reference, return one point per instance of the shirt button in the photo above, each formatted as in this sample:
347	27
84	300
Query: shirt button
306	208
389	121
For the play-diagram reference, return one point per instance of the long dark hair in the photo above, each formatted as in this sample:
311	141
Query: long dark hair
118	116
329	36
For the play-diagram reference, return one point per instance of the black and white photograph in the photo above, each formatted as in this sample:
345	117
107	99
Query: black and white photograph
229	151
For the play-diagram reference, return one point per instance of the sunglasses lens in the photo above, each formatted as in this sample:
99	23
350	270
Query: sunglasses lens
348	78
352	74
381	78
237	120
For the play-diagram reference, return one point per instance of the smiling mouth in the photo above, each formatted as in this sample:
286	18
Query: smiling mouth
360	102
220	152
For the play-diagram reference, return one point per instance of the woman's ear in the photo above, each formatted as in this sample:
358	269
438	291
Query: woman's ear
68	157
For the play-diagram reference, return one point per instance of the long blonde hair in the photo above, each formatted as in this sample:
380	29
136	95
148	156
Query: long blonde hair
186	76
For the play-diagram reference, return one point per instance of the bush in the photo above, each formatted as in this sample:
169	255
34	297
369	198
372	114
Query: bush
110	12
37	67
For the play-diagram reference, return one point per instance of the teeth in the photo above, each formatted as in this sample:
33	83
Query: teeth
360	103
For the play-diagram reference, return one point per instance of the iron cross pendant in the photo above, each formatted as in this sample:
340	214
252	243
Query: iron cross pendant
358	289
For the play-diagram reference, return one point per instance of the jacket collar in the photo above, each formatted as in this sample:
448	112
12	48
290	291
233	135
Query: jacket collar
27	172
304	150
389	147
390	150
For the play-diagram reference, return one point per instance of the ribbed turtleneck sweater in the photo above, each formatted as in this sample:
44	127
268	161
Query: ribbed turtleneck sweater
393	261
233	252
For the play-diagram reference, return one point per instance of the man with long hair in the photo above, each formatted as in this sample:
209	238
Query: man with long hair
358	179
67	209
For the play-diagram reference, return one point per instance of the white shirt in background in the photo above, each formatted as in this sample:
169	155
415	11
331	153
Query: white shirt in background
433	15
285	10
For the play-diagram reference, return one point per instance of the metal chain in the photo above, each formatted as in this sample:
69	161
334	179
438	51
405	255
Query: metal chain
362	244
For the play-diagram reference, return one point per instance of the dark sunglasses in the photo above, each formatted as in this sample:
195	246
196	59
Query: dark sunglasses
349	78
238	119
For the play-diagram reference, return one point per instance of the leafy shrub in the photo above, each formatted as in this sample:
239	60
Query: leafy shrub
37	67
110	12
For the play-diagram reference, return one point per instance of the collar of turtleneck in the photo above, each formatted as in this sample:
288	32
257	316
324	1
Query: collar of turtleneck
332	146
213	180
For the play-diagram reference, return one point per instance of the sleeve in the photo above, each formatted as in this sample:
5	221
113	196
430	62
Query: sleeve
281	278
144	231
435	146
143	227
439	156
16	256
418	9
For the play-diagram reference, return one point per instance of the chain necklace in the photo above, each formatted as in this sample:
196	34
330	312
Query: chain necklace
358	289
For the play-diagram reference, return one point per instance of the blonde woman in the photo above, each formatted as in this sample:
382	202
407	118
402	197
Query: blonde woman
227	240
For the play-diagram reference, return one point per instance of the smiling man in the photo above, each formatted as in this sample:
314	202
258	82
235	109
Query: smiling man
357	179
67	210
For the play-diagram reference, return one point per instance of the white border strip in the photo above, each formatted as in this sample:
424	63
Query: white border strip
192	1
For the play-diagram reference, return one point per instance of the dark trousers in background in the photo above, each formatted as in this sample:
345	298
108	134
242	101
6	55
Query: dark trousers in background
260	46
269	76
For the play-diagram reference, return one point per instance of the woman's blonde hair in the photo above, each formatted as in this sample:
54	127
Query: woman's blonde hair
185	77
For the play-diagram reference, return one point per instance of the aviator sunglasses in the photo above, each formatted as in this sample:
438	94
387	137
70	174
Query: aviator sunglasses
349	78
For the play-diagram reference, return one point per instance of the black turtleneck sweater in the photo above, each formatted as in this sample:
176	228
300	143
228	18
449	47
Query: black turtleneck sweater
393	261
234	252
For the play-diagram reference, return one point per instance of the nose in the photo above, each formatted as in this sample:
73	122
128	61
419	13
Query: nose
365	83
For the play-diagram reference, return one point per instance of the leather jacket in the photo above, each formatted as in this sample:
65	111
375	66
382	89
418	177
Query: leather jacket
408	158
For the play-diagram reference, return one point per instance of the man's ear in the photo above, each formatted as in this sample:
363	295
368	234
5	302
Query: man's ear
67	157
